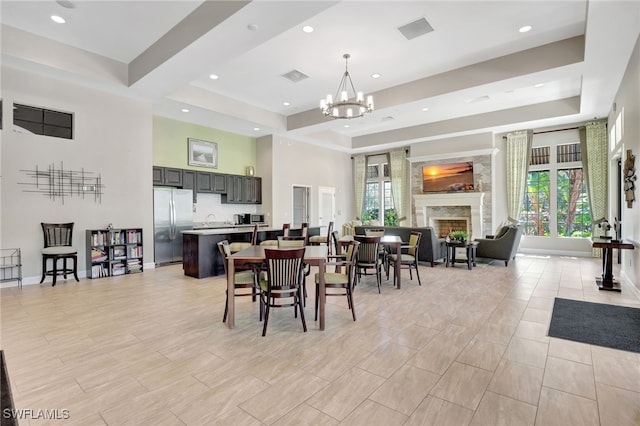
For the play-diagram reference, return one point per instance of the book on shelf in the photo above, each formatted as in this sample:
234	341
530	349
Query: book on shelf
98	271
98	255
134	236
135	251
118	269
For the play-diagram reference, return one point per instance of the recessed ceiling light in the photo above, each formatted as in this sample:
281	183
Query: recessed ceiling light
185	110
375	75
256	128
425	109
525	29
286	103
346	125
307	29
539	85
213	77
58	19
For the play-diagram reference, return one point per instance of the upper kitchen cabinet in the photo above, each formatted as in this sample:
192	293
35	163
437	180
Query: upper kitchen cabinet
189	182
167	176
211	182
243	190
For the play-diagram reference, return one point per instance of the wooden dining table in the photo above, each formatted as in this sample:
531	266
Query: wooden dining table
313	255
393	241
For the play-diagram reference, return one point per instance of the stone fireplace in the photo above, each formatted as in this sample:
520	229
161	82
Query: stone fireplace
474	223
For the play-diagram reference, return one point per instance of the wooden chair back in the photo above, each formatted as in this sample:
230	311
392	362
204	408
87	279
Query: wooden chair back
291	241
369	251
57	234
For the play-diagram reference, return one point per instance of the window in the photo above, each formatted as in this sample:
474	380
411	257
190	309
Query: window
378	197
42	121
556	202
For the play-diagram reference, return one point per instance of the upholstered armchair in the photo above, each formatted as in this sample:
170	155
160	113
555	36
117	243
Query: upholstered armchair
503	246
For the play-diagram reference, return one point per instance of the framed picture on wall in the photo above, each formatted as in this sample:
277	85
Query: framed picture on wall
203	153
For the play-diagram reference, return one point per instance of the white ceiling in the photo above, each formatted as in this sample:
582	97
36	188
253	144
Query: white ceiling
475	72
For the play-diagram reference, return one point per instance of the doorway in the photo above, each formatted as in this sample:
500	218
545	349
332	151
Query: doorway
301	199
326	205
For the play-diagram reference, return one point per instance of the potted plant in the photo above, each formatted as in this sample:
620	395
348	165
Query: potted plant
459	236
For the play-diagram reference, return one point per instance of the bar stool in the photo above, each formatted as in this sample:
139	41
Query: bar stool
57	245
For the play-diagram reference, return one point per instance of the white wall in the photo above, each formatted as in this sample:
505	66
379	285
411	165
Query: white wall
628	100
112	137
298	163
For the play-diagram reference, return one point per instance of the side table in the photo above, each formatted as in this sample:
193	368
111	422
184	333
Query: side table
469	246
606	280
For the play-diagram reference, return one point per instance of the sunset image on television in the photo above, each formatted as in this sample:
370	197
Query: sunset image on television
448	177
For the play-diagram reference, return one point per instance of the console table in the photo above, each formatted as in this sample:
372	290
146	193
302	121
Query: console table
606	281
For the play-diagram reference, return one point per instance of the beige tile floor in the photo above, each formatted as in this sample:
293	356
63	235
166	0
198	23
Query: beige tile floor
467	347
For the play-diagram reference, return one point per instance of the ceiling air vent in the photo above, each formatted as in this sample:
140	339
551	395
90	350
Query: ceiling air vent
295	76
415	29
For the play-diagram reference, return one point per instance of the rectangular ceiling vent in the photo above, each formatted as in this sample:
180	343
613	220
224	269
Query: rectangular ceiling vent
415	29
295	76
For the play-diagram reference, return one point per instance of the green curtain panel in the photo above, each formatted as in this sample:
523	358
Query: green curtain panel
398	171
359	178
595	162
518	157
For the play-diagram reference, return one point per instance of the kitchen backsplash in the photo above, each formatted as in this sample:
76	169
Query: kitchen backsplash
211	203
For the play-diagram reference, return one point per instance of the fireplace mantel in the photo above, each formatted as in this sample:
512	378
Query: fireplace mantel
451	199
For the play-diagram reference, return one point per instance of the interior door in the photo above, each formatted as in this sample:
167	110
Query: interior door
301	197
326	205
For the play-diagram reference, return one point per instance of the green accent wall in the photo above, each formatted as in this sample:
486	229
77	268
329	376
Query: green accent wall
170	146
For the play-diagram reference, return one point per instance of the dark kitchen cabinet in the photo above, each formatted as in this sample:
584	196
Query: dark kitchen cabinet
219	183
243	190
167	176
204	182
189	182
212	182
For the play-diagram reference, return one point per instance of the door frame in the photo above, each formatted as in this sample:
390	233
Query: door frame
324	190
307	203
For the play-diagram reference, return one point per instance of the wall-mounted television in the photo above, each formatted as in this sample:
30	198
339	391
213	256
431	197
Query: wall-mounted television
448	177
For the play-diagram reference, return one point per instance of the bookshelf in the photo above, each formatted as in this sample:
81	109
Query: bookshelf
113	252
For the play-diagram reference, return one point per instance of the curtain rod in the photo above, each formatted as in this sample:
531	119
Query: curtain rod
406	151
551	131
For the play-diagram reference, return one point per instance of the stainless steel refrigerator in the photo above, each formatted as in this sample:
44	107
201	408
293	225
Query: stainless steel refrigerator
172	213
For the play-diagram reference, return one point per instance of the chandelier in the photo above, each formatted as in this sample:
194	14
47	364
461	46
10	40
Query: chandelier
346	106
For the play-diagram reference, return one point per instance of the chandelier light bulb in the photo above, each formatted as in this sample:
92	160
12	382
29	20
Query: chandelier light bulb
351	103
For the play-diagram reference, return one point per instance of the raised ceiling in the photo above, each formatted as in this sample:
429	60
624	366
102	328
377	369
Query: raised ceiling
475	72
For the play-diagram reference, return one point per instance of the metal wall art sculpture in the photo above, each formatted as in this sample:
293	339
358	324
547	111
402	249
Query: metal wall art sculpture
58	183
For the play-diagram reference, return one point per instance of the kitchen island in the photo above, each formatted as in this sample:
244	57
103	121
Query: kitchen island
201	257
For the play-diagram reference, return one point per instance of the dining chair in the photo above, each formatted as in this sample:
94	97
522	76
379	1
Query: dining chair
280	286
334	246
408	256
58	239
379	232
316	240
339	280
290	241
369	257
274	243
240	245
305	232
246	279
